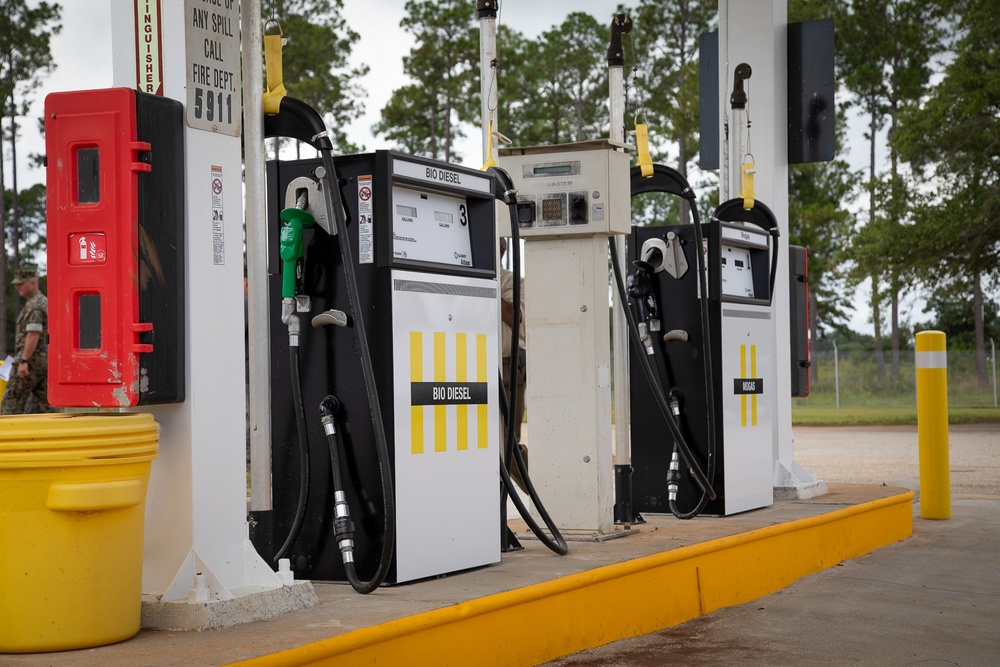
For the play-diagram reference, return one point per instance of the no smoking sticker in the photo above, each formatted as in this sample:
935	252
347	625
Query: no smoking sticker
218	230
366	242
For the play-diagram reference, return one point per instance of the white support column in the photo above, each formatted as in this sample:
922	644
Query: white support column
569	380
755	32
196	508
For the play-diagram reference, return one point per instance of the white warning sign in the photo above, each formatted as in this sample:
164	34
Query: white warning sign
218	230
214	83
366	237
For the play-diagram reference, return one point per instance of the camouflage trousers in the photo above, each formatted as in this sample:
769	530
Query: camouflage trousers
15	396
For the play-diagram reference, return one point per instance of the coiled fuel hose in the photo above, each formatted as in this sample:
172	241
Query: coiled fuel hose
508	194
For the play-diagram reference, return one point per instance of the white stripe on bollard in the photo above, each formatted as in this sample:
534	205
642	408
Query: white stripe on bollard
937	359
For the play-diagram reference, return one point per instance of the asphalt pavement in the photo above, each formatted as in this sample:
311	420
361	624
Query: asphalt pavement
932	599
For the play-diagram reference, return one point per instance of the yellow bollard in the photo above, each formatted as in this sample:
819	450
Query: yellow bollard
932	425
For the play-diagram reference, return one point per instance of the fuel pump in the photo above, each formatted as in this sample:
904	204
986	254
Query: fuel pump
740	259
659	389
418	238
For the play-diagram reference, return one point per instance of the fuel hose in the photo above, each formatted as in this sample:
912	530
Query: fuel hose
508	194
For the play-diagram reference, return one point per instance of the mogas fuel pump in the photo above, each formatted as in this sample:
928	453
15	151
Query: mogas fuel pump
738	388
424	246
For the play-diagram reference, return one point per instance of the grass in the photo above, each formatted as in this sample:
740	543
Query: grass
859	416
864	399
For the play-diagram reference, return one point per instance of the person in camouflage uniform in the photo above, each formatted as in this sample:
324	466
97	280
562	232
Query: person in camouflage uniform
30	372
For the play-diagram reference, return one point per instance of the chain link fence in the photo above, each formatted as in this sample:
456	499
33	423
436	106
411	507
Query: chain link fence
850	378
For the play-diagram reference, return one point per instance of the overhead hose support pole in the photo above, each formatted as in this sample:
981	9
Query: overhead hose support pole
298	120
486	12
508	195
738	105
623	512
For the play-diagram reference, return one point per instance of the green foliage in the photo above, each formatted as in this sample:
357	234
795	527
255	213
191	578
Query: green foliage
884	56
954	137
654	209
25	57
314	63
854	416
666	40
423	117
952	306
31	205
563	84
819	221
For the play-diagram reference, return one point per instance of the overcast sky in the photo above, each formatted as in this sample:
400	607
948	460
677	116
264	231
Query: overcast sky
82	52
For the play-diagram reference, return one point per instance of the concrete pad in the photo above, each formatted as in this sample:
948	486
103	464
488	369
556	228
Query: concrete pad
669	571
933	599
215	614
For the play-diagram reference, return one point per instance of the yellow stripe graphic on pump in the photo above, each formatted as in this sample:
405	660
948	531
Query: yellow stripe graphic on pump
461	375
442	391
416	375
748	384
440	410
483	420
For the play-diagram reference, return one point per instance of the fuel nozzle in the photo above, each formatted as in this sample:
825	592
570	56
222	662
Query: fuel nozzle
292	247
640	290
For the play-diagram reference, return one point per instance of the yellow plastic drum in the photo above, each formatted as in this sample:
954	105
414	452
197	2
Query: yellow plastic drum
73	490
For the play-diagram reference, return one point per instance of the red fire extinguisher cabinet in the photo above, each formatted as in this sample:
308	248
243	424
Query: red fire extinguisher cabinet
115	208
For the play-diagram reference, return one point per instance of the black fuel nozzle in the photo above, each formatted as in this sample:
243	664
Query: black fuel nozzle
639	286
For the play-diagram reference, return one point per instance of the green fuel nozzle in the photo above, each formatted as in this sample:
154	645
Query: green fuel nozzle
295	220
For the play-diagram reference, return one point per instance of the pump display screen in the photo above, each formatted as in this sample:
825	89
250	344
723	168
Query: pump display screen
737	274
553	170
428	227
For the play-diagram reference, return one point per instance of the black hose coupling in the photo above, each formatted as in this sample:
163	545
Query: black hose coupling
328	409
675	401
504	189
343	527
673	476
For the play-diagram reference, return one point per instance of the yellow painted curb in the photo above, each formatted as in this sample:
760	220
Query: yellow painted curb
639	596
